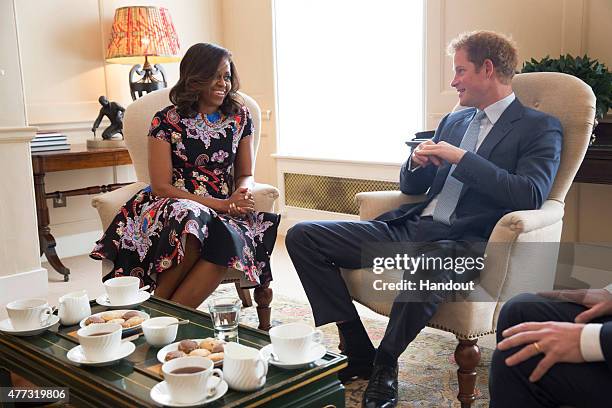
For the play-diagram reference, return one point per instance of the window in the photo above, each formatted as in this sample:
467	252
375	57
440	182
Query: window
349	77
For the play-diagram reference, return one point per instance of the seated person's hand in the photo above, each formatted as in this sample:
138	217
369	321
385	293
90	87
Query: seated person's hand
423	160
241	202
598	301
559	342
441	151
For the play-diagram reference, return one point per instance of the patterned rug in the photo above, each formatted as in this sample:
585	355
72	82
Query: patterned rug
427	370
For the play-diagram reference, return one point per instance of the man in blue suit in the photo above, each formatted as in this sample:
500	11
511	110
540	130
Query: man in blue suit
483	162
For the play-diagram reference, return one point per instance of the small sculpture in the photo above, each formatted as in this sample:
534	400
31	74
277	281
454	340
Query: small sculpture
114	112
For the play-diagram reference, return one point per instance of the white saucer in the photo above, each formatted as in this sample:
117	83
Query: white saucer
142	296
316	352
77	356
7	327
159	394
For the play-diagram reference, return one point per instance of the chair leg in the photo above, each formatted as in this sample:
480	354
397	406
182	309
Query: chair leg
263	298
244	294
467	356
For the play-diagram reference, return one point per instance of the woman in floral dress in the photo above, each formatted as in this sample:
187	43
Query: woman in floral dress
182	232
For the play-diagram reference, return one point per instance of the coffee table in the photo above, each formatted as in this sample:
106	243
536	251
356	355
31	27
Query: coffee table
42	360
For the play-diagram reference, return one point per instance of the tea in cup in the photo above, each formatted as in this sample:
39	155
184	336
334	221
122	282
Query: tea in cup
293	342
187	378
244	367
122	290
73	307
157	331
29	314
100	342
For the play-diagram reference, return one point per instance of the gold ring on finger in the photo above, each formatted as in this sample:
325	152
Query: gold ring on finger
537	347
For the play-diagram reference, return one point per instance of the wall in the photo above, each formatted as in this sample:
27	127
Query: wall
64	73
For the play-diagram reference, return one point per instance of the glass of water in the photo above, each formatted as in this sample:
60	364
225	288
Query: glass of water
225	314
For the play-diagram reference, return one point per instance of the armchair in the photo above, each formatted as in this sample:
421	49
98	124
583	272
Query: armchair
573	103
137	120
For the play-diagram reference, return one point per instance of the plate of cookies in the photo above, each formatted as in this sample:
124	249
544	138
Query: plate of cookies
129	319
208	347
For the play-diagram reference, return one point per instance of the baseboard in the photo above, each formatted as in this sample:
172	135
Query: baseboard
75	244
30	284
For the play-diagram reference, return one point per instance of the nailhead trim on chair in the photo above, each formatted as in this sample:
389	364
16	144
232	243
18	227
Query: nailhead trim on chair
470	336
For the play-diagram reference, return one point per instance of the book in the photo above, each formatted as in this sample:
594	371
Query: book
48	139
48	142
64	146
46	134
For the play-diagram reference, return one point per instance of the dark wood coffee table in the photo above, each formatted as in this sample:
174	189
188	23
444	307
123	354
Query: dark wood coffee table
42	360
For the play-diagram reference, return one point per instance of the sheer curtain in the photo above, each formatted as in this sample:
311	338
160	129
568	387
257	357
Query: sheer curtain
349	77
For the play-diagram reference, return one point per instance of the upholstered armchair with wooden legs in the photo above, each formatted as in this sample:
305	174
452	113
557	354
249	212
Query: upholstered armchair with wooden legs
136	124
509	264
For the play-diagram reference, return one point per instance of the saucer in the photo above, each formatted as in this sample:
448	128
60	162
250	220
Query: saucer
316	352
7	327
142	296
77	356
159	394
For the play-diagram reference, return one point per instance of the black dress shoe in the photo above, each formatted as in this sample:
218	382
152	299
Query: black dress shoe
358	367
382	388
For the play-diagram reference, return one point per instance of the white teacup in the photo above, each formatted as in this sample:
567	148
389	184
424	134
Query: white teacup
187	388
73	307
158	333
122	290
100	342
244	367
293	342
29	314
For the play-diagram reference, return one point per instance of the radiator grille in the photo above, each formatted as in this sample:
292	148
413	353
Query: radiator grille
335	194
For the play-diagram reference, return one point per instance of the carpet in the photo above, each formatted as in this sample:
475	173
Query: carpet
427	370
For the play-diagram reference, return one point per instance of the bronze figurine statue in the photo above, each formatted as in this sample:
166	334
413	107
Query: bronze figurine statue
114	112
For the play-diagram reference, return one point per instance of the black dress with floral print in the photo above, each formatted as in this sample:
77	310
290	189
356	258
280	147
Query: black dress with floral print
148	234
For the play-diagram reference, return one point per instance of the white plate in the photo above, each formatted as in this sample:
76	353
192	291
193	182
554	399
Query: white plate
7	327
130	329
161	354
77	356
159	394
316	352
143	296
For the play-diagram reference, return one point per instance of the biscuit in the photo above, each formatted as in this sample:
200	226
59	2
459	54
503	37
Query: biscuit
130	314
133	321
94	319
208	343
218	346
216	357
120	321
200	353
111	316
187	346
171	355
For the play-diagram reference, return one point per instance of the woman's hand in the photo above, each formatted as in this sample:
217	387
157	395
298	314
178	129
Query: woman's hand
241	202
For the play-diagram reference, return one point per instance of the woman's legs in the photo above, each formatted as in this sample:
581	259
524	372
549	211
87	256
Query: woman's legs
170	279
199	283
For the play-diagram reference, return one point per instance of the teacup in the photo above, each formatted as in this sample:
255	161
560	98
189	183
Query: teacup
158	333
122	290
29	314
293	342
187	378
100	342
244	367
73	307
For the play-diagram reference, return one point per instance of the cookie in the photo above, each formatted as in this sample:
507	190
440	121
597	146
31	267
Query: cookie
134	321
130	314
216	357
94	319
111	315
187	346
200	353
171	355
210	344
218	346
120	321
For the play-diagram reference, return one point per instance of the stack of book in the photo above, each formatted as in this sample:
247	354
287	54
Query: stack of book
49	141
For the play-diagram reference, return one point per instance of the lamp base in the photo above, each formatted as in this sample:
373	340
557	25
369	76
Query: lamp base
104	144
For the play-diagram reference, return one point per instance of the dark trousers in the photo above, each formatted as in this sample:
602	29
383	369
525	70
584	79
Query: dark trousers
576	385
319	249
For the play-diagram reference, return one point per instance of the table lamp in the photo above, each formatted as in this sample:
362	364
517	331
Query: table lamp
143	31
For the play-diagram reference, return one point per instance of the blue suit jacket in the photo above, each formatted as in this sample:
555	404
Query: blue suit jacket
605	340
512	170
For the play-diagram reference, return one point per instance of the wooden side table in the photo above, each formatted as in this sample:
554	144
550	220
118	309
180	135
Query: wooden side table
78	157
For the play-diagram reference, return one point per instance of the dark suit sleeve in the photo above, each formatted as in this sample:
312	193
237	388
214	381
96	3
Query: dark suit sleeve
605	340
537	165
418	181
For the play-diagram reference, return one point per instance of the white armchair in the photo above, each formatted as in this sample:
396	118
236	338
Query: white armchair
573	103
136	125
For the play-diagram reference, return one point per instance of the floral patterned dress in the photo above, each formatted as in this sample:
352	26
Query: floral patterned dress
148	234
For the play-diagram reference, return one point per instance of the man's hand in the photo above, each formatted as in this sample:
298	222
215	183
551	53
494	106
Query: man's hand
559	342
442	151
422	160
598	301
